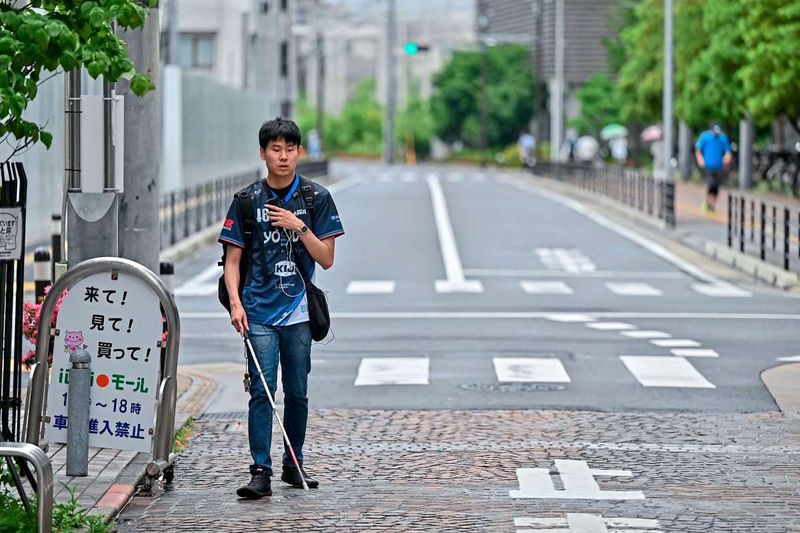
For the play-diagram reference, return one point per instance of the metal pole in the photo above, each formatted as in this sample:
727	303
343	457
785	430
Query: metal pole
78	401
41	271
172	17
557	108
668	89
483	104
745	152
391	83
55	242
320	89
138	216
108	137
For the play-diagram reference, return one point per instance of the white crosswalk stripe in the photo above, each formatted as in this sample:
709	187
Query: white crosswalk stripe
546	287
633	289
675	343
530	370
668	371
721	290
370	287
646	334
611	326
694	352
393	371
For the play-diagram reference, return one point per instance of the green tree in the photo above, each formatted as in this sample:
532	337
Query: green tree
45	35
415	120
640	80
711	89
455	105
600	105
771	73
359	127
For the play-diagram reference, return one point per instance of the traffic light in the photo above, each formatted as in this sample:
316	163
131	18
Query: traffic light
413	48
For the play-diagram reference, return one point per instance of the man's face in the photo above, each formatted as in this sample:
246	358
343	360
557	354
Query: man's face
281	157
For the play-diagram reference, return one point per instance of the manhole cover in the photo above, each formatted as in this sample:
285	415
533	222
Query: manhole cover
513	387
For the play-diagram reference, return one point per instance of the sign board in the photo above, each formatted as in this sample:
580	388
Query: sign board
118	321
10	233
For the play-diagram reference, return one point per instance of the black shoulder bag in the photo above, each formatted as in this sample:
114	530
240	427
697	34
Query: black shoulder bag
319	317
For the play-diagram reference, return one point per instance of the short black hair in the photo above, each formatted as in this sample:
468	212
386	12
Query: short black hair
279	128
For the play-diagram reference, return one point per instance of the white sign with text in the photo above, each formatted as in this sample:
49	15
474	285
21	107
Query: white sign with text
118	321
10	233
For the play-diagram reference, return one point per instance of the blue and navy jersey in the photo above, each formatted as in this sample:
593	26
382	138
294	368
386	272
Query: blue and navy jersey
274	292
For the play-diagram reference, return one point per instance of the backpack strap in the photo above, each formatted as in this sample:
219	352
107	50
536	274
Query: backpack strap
307	192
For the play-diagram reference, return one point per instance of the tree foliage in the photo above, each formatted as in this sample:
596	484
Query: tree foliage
415	120
455	105
359	127
600	105
44	35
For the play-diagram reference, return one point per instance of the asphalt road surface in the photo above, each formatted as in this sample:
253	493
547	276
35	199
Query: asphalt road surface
467	290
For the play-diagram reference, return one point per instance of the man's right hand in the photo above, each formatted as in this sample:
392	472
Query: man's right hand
239	318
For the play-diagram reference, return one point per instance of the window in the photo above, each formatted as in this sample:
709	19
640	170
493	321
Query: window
196	50
284	59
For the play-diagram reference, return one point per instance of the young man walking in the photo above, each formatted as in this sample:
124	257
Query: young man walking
713	152
288	238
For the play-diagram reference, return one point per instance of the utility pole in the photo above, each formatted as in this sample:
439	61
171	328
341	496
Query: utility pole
320	89
557	87
483	28
138	217
391	82
172	16
745	151
668	90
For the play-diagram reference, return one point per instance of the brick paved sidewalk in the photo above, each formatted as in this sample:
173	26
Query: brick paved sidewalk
397	471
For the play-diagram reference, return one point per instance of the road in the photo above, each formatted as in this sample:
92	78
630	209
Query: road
496	340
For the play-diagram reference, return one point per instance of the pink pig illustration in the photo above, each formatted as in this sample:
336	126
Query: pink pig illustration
73	340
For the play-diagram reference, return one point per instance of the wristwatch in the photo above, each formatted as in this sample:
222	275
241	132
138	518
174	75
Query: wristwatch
303	230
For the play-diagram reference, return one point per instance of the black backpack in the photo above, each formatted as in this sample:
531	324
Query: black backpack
318	314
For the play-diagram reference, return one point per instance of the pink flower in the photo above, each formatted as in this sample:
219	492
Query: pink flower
31	313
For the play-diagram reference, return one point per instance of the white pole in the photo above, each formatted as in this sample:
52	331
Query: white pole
557	88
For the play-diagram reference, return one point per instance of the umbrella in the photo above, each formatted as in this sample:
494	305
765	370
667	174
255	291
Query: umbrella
652	133
610	131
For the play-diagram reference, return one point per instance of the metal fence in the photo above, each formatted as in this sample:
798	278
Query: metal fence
769	230
630	187
187	211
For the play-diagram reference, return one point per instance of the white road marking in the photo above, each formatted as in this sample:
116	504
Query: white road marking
790	359
545	287
409	177
530	370
587	523
393	371
611	326
201	285
642	241
694	352
633	289
721	289
578	479
455	281
455	177
646	334
370	287
568	260
569	317
525	315
658	371
675	343
512	273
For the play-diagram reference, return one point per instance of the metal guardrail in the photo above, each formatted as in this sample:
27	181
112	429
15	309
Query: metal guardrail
630	187
189	210
769	230
44	478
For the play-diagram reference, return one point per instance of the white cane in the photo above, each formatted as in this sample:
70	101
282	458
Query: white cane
274	410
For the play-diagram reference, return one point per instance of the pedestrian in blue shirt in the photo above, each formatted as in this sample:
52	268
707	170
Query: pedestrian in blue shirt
713	152
272	307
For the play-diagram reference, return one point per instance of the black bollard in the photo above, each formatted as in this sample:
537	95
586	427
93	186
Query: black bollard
42	271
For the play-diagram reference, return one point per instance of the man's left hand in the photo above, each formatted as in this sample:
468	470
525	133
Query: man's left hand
283	218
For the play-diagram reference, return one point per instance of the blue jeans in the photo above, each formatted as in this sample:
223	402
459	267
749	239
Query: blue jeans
292	346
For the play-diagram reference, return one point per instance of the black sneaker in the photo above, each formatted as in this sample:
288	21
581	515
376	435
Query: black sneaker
292	477
259	486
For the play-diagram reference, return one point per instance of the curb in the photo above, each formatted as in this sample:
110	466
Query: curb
191	404
775	276
781	381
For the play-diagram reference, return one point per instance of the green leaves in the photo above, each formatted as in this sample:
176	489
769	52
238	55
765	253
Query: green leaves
45	36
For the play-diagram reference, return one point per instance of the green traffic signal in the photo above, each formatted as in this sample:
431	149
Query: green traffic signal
411	48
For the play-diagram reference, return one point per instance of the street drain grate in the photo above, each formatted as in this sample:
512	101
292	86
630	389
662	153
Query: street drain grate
513	387
231	416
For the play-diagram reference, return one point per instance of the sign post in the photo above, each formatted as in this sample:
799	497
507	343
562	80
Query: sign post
113	310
